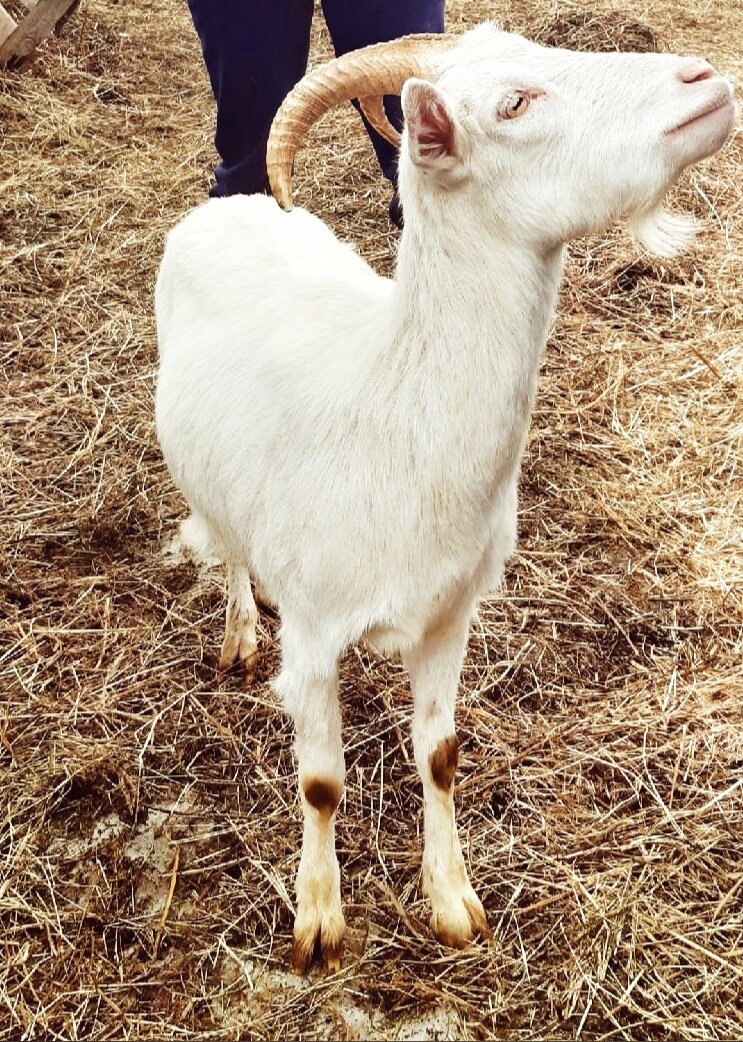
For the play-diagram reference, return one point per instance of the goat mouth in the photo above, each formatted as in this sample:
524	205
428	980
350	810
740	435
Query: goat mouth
709	110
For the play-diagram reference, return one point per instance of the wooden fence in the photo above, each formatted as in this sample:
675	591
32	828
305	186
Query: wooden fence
19	39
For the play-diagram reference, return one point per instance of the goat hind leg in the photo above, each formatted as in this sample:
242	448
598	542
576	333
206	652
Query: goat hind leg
240	639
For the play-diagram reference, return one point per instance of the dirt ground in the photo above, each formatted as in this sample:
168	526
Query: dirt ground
149	827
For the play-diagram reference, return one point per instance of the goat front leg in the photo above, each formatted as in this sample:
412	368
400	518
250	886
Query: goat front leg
312	701
434	666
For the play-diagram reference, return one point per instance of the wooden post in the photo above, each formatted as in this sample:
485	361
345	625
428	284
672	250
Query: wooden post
7	24
41	20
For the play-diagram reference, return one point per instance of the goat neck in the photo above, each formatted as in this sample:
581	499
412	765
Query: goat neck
472	310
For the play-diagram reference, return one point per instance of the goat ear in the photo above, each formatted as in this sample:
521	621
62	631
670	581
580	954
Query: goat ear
433	135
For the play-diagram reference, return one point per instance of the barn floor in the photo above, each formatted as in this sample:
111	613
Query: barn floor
149	827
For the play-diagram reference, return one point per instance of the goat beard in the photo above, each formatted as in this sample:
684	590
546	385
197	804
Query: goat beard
663	233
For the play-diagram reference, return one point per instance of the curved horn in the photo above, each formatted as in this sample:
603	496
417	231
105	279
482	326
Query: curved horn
367	73
373	109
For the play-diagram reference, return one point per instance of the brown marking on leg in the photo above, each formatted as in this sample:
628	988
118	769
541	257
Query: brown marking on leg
443	762
323	794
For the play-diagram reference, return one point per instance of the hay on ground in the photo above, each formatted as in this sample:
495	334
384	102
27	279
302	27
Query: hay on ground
150	827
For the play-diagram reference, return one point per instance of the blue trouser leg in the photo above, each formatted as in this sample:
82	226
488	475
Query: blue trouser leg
256	50
254	53
356	23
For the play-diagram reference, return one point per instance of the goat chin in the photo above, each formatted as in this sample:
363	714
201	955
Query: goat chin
663	233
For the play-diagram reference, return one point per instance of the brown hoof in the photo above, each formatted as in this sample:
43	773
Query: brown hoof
457	931
232	650
477	917
318	935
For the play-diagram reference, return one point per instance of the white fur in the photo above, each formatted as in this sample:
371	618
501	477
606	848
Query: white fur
353	442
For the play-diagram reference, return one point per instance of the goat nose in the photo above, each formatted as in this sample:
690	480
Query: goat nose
693	70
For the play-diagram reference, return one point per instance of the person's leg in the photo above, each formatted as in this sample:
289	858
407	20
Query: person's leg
255	51
353	24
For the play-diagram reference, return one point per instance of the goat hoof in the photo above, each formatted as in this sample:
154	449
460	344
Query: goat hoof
460	921
250	664
235	647
317	929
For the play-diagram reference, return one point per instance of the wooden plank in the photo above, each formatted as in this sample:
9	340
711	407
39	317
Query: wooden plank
7	24
34	28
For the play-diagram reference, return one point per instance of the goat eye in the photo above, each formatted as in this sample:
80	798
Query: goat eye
513	105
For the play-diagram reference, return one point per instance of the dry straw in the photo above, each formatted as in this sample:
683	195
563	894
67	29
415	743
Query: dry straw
149	828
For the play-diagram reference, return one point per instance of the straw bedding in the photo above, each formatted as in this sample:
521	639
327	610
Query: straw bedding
150	829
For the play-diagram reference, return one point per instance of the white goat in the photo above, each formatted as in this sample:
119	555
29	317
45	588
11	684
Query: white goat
353	443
